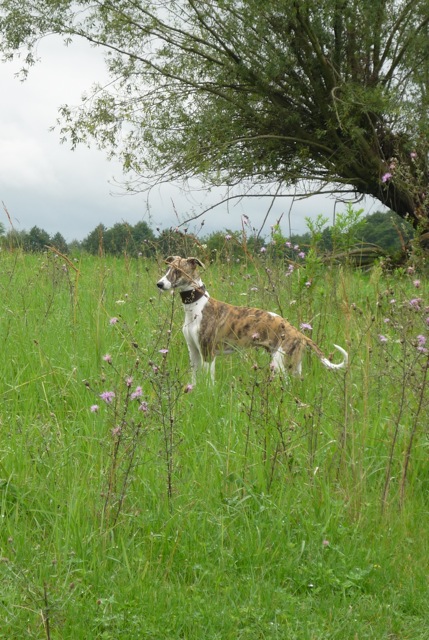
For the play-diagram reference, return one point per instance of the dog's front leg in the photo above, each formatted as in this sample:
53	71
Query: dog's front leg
209	367
195	359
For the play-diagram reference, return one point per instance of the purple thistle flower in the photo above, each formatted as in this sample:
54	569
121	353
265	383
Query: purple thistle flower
129	381
255	336
163	351
301	255
107	358
305	326
137	393
107	396
263	249
415	303
386	177
228	237
94	408
113	320
413	155
382	339
116	431
188	388
143	407
416	283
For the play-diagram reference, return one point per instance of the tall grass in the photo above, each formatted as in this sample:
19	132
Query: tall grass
254	508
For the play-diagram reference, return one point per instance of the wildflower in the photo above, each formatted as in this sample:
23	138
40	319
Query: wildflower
137	393
386	320
107	358
308	283
427	321
301	255
325	543
382	339
188	388
393	301
94	408
413	155
415	303
410	270
421	341
296	247
107	396
116	431
255	336
263	249
163	351
120	301
143	407
306	327
416	283
129	381
228	237
288	244
113	320
386	177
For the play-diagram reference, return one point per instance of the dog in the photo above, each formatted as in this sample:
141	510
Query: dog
212	327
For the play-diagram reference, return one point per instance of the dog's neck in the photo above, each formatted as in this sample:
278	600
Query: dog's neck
193	295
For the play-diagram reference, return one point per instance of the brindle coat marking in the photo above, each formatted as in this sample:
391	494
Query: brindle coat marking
212	327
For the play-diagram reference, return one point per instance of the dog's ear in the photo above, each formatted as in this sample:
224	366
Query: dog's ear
170	259
195	261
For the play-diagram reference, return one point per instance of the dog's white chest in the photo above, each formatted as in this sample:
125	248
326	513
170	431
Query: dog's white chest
193	320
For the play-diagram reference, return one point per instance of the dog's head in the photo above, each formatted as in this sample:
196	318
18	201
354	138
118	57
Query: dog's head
182	274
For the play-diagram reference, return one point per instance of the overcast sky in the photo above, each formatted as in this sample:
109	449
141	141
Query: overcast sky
44	183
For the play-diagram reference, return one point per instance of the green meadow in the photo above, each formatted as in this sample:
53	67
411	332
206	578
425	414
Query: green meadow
133	506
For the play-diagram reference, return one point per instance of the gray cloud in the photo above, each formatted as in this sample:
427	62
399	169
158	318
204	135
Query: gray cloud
46	184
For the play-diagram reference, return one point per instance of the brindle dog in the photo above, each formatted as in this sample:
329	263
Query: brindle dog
212	327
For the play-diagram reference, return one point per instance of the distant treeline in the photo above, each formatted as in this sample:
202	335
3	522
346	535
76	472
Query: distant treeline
384	230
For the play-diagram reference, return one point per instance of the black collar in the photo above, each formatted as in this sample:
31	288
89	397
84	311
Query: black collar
188	297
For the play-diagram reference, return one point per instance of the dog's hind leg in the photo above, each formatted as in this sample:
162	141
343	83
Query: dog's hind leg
278	361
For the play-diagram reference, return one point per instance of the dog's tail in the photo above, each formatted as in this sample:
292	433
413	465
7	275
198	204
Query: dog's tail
324	360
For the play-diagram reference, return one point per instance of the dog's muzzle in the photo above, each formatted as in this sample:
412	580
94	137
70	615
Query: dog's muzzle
163	284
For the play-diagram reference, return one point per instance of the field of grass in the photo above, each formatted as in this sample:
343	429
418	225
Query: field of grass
134	507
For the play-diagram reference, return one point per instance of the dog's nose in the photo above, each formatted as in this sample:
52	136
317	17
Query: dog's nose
160	285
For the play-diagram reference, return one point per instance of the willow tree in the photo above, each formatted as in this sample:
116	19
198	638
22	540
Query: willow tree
267	92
